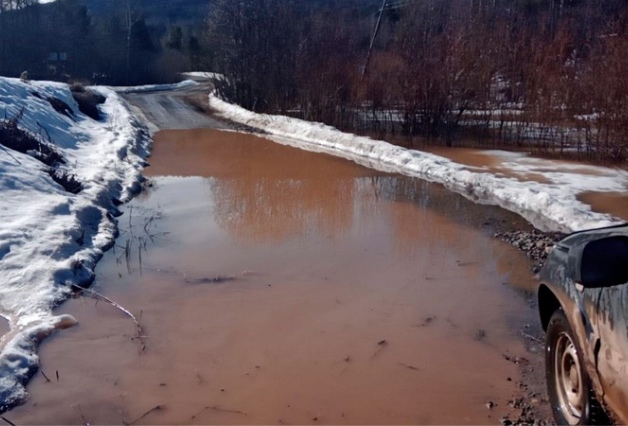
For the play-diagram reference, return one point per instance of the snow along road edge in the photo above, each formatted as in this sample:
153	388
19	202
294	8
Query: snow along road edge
51	239
549	207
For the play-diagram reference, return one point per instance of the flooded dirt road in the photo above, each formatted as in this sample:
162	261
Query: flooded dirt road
173	109
277	286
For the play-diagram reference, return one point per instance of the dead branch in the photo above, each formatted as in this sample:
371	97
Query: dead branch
380	347
8	421
85	422
155	408
534	339
140	331
409	367
11	155
217	408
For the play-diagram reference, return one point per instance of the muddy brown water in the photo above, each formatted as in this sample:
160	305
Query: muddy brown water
277	286
614	203
484	160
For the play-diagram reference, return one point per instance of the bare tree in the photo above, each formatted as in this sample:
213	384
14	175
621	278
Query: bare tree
131	18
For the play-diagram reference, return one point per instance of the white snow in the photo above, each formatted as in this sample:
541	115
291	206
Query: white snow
549	206
155	87
50	238
203	75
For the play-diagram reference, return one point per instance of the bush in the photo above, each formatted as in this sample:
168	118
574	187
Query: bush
61	107
20	140
77	87
87	101
66	180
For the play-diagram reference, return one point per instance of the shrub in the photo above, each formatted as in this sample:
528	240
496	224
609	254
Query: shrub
87	100
20	140
66	180
61	107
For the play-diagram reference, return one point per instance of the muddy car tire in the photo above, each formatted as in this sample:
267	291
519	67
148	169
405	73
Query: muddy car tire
568	385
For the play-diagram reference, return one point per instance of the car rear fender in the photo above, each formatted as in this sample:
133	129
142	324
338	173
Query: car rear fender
548	303
569	299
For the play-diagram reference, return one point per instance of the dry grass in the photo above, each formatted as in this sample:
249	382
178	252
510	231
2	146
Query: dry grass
87	101
18	139
66	180
200	103
15	138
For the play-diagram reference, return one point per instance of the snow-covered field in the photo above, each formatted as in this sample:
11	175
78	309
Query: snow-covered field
551	206
51	239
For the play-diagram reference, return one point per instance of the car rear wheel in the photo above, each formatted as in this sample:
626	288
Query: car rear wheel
567	382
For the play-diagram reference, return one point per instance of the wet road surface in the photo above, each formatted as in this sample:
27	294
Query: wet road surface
174	110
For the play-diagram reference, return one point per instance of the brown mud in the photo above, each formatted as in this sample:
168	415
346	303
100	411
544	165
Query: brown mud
277	286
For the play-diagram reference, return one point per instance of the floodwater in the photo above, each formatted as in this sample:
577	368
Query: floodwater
278	286
486	161
614	203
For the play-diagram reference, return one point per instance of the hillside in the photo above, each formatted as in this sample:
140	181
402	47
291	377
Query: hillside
159	10
177	11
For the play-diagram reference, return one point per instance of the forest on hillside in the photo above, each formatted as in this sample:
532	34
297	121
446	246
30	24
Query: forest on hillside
109	42
548	75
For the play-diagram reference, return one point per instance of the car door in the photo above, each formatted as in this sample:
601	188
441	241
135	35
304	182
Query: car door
611	354
602	277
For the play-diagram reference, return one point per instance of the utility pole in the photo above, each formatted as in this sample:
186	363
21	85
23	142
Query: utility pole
375	31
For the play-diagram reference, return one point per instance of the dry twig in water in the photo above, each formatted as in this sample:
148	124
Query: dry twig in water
155	408
140	331
85	422
217	408
380	347
408	366
534	339
8	421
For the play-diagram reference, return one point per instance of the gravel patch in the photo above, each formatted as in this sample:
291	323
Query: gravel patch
536	244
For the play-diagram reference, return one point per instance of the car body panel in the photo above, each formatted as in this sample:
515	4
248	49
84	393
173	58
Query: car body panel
612	360
598	317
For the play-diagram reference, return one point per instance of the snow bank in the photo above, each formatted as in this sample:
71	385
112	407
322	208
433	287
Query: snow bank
203	75
155	87
548	206
50	238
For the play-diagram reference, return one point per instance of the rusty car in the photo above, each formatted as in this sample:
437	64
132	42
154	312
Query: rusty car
583	306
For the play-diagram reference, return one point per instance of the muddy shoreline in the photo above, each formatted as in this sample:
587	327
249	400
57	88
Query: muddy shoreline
532	408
